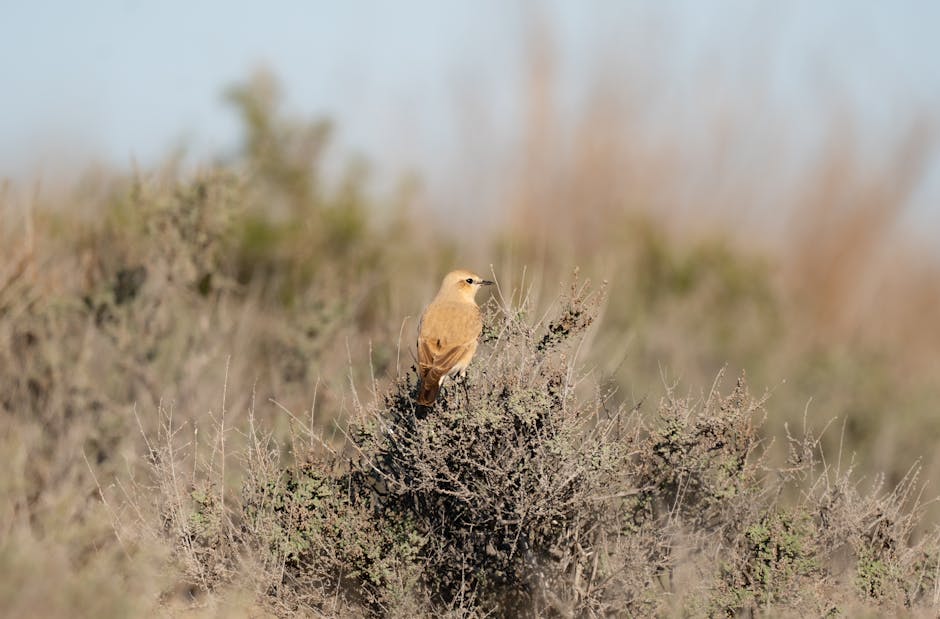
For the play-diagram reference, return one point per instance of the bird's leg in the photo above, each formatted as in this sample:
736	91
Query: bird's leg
465	382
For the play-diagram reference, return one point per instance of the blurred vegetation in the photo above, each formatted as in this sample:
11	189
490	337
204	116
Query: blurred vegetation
267	283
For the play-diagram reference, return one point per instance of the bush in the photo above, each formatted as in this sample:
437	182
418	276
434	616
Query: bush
523	492
502	479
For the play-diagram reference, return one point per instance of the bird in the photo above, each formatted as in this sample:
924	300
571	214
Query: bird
448	332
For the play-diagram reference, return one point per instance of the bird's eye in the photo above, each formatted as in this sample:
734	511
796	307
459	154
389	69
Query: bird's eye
469	280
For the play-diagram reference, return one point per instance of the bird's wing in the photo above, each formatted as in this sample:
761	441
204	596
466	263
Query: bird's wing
440	361
447	332
425	354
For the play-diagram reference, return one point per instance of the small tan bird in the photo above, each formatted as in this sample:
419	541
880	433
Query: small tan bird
448	332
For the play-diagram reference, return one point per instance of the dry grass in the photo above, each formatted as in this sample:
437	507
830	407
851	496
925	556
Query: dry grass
527	492
205	386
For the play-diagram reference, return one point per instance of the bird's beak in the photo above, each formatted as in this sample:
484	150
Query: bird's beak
486	282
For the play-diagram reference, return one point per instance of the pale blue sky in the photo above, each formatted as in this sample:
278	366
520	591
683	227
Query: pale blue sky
122	79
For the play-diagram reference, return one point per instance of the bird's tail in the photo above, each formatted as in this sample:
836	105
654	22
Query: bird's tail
430	386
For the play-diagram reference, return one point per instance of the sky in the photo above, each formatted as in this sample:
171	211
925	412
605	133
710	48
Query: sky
124	81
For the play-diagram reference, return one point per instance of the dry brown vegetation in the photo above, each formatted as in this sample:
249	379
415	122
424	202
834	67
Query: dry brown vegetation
205	385
522	494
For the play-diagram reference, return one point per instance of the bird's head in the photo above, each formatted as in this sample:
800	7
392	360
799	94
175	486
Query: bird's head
463	284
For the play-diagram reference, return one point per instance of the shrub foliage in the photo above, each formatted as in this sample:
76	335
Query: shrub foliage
525	492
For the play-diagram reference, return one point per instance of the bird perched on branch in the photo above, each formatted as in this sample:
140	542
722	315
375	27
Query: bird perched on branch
448	332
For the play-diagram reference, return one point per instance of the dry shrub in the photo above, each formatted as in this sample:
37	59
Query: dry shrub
526	492
501	479
136	304
133	289
529	489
